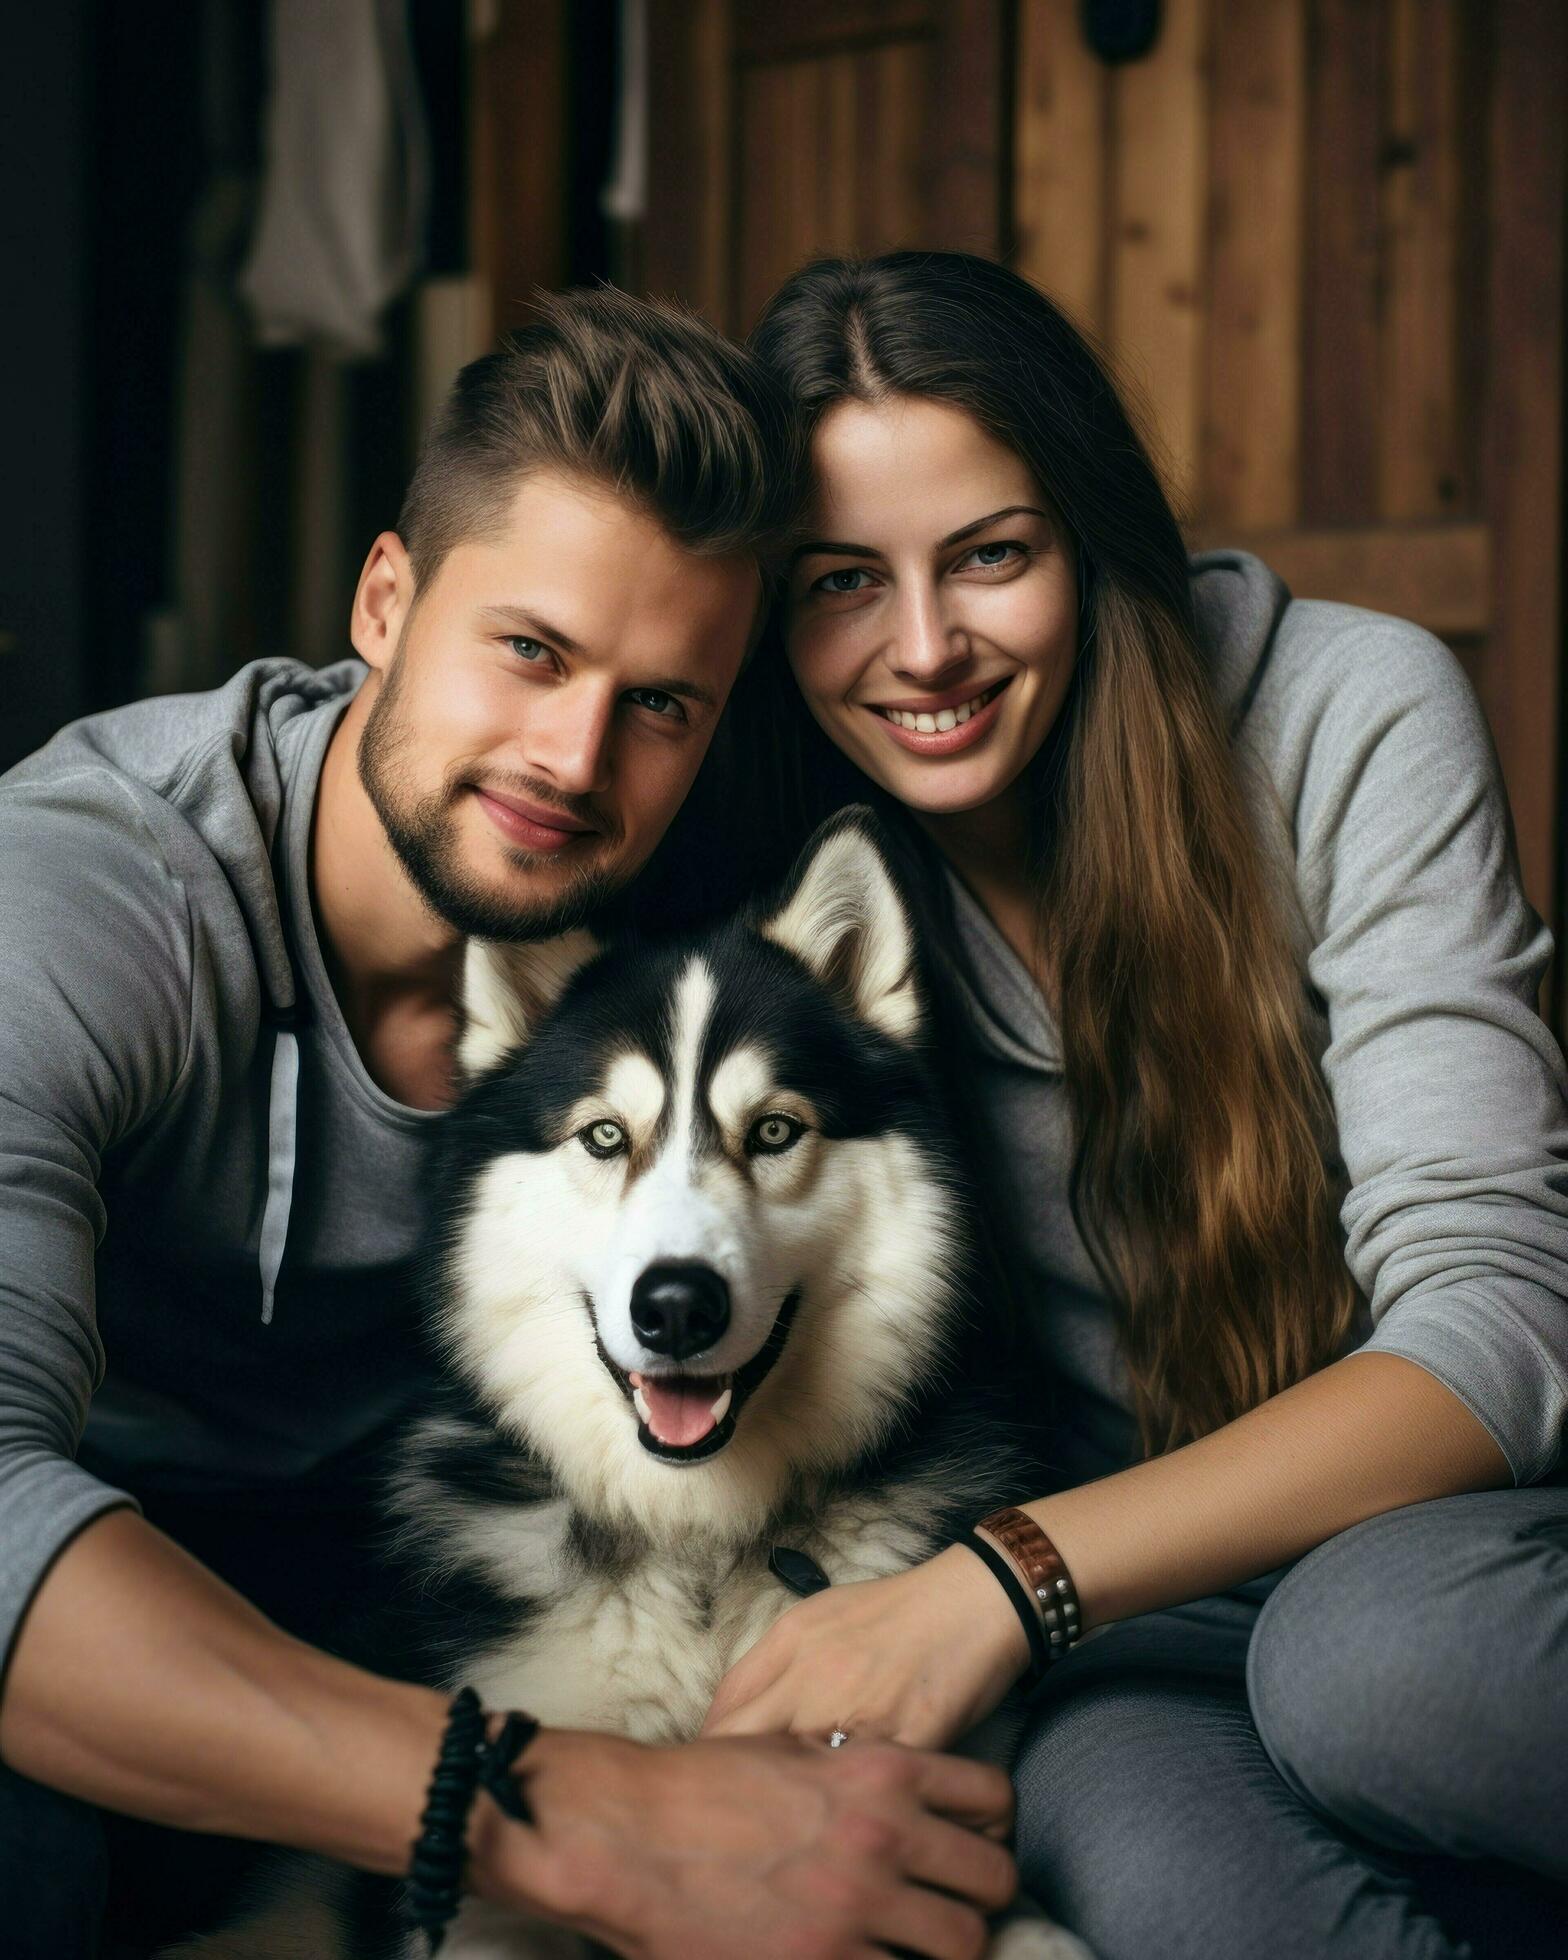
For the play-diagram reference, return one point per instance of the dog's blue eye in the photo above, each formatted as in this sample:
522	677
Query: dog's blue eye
771	1134
604	1139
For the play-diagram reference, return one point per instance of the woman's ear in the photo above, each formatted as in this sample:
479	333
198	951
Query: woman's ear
507	991
845	919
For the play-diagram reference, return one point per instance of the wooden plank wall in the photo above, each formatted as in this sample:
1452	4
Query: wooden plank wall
1323	239
1264	221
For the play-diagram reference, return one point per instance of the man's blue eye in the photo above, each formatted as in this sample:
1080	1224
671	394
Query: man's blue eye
658	702
524	648
836	581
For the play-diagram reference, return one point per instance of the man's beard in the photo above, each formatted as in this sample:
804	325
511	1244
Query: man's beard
423	833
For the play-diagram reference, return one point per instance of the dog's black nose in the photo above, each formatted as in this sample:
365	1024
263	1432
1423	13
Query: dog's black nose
680	1310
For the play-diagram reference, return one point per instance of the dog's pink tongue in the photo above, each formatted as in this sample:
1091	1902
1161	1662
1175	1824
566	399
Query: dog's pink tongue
680	1410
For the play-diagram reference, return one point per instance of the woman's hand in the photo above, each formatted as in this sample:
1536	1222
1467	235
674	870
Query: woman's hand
919	1658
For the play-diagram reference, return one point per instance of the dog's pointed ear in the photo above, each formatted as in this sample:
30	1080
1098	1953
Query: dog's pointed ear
507	989
845	918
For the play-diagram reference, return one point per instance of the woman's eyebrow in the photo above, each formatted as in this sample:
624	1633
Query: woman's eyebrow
836	548
832	548
1007	510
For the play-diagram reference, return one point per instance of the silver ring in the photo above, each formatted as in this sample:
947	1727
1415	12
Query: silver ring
838	1738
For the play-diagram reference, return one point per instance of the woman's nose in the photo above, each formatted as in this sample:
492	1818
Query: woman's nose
928	649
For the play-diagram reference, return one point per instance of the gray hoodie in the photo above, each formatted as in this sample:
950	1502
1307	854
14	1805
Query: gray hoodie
198	1179
1374	790
201	1186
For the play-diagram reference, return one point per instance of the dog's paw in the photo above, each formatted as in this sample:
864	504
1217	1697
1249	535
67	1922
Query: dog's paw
1036	1939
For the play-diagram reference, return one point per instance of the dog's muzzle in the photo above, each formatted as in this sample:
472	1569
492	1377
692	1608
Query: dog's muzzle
684	1416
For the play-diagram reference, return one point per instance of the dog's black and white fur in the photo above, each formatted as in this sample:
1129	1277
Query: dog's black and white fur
701	1284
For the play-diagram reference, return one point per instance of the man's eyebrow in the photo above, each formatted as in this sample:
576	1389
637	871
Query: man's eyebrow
535	627
683	691
836	548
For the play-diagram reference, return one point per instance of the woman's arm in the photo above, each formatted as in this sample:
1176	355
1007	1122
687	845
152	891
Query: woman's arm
923	1656
1363	1436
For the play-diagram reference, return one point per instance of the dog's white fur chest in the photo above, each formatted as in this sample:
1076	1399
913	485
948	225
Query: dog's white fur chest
640	1649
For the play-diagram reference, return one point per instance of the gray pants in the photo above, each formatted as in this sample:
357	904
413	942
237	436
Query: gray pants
1365	1758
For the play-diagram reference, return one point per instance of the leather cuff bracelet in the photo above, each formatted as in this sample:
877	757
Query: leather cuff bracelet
1035	1578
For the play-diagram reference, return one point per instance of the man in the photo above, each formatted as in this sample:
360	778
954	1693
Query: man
232	926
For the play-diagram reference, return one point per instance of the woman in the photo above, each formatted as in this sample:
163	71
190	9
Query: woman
1223	886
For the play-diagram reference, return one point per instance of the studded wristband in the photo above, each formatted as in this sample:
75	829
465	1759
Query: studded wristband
1042	1573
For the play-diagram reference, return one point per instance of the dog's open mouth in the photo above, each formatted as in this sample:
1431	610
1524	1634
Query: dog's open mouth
689	1414
686	1418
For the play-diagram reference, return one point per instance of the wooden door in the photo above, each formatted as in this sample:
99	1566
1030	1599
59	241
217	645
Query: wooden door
782	132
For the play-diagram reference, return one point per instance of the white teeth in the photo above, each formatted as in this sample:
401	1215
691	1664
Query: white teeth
943	719
721	1408
640	1404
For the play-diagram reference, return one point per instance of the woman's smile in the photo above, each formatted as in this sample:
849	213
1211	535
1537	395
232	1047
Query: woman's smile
946	723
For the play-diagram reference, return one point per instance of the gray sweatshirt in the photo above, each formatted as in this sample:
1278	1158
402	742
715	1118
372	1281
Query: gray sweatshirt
222	1206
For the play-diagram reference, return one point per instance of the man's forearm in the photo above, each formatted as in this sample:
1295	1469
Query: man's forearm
142	1683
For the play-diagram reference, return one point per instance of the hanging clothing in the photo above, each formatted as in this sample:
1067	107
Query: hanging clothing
346	183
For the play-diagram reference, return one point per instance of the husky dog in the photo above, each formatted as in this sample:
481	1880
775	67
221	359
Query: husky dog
700	1280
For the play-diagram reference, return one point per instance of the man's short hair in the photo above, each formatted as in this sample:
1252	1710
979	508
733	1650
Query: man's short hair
643	397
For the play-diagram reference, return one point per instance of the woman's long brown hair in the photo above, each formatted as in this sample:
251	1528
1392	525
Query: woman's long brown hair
1202	1125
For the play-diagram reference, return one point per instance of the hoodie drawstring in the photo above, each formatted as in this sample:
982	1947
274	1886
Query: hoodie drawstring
282	1146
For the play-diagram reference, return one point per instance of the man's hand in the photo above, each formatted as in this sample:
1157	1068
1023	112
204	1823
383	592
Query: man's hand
775	1848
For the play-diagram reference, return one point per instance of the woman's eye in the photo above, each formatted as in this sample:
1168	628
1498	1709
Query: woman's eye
841	581
657	702
604	1139
530	650
771	1134
991	557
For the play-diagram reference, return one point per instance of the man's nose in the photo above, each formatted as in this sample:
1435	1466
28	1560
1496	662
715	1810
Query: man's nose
568	738
928	649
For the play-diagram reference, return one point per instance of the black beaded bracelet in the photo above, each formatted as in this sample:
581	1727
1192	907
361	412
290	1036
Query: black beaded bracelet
465	1762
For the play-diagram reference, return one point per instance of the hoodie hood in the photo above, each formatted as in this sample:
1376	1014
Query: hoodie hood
215	758
1239	603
